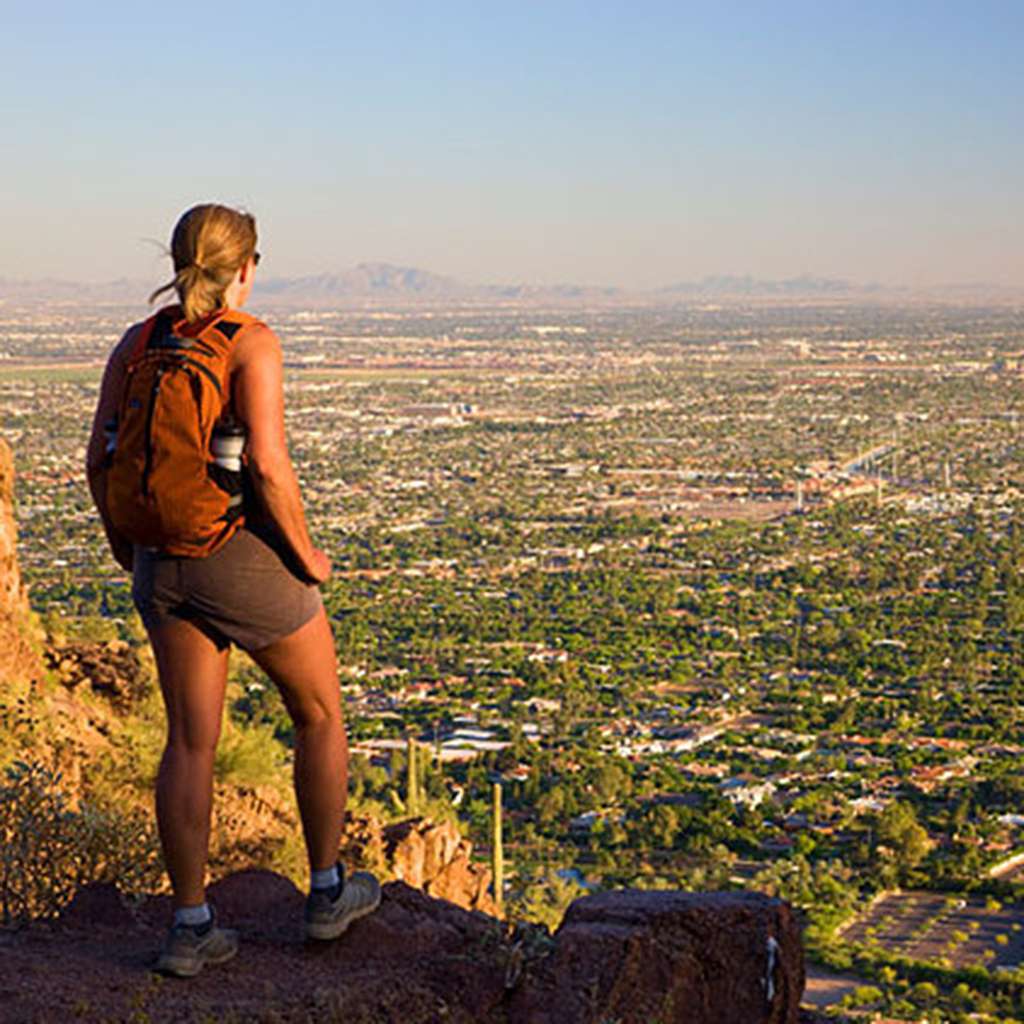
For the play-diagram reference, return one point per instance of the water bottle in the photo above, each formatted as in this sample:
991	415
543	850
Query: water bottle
226	446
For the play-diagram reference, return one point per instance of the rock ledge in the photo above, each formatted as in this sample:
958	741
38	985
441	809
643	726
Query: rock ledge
629	956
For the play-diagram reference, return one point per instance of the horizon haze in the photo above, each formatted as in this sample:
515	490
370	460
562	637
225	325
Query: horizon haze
388	286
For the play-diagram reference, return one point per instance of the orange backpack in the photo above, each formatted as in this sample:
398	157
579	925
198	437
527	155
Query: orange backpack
164	488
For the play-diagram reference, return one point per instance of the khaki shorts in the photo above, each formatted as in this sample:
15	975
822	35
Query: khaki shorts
244	593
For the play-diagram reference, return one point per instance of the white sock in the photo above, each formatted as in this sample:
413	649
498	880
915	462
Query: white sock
326	879
194	917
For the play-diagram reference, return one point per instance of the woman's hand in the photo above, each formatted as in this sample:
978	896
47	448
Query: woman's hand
318	567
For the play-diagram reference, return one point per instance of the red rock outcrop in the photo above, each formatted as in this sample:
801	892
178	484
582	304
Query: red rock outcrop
433	856
424	854
18	660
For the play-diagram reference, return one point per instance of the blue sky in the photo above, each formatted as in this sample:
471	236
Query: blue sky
635	144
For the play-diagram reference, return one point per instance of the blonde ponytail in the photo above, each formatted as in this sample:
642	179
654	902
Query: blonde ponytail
210	242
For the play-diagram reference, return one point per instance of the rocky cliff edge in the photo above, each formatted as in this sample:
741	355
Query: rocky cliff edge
630	957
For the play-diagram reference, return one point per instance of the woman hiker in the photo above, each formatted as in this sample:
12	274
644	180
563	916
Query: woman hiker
220	557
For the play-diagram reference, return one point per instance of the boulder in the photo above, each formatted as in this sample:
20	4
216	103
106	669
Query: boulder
693	958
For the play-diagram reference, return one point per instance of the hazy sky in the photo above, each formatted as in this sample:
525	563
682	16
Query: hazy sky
634	143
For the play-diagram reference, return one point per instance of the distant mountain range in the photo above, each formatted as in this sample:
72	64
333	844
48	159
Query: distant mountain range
367	280
746	285
383	284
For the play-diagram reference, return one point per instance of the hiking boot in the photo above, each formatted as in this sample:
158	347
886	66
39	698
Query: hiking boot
187	949
330	911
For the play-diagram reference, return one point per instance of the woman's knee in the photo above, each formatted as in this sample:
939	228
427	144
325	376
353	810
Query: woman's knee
191	743
315	715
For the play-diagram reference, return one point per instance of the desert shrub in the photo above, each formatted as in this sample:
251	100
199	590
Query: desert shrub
865	996
249	755
544	897
88	627
49	849
121	773
18	724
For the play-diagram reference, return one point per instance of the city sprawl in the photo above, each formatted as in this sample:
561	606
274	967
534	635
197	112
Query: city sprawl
723	595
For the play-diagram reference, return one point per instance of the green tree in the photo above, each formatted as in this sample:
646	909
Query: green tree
900	839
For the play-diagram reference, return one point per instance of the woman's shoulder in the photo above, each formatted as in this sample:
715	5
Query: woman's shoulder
256	343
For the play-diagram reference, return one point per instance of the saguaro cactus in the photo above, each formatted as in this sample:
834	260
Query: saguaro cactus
412	795
497	857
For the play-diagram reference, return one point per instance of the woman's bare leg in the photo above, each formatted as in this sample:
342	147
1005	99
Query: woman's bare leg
303	667
193	675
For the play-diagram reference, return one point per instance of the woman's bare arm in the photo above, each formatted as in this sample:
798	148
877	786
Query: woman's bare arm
258	399
95	459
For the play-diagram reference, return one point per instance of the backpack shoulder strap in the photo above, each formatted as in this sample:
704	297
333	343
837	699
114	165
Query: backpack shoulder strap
221	334
156	326
232	322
